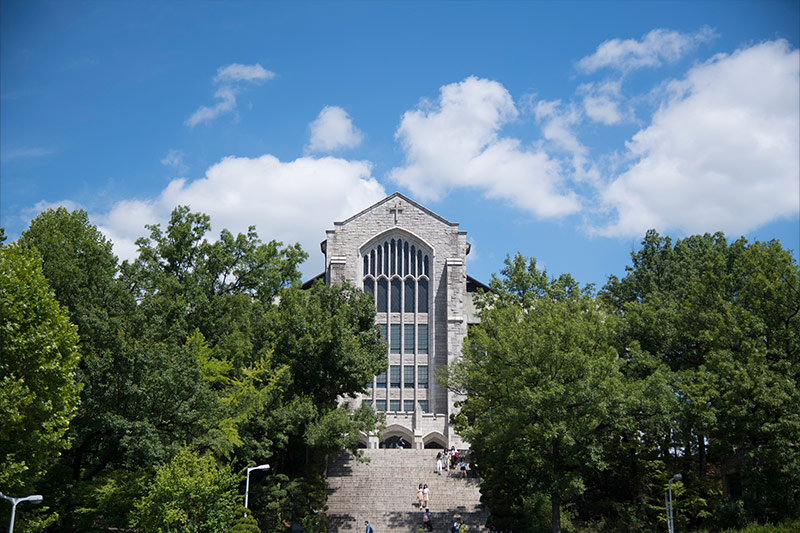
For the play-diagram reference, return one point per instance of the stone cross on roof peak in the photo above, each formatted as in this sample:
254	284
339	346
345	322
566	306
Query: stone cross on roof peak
396	209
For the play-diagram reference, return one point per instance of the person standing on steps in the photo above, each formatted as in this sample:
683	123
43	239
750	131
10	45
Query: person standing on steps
439	463
420	496
426	495
426	520
463	466
368	527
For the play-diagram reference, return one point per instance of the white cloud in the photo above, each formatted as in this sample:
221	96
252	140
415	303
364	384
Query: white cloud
652	50
289	201
455	143
175	159
602	102
228	76
332	130
721	153
238	72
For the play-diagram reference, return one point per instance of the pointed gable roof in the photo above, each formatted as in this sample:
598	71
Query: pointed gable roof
393	196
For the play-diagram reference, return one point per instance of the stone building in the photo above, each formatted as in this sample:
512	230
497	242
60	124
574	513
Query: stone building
413	262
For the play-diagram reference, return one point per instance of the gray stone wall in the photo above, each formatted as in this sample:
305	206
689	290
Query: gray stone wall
398	216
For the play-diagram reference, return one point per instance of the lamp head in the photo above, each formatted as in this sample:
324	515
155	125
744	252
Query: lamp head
36	498
259	467
677	477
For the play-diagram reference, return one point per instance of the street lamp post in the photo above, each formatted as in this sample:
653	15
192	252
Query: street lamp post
247	483
34	498
668	496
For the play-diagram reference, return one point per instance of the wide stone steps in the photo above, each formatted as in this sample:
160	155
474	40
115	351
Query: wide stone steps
384	491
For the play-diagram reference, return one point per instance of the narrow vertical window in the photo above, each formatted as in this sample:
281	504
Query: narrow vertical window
419	262
383	332
408	376
413	261
405	258
380	261
397	299
422	338
383	295
422	306
372	262
408	338
394	405
394	376
386	258
380	380
393	258
394	338
380	405
422	376
408	406
425	265
366	264
369	286
409	299
423	404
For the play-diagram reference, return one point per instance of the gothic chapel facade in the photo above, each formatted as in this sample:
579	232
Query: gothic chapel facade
413	262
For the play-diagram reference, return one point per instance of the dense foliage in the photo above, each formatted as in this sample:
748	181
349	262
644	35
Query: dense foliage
689	364
199	359
135	396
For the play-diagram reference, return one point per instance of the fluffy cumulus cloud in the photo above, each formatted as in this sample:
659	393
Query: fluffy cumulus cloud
721	153
229	79
290	201
333	130
652	50
603	102
455	142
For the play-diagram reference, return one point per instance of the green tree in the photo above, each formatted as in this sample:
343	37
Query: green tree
192	493
725	318
38	361
544	389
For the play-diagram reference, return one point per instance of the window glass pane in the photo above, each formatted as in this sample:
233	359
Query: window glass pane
408	376
380	405
394	339
396	297
413	261
423	404
394	376
372	262
383	332
425	263
405	258
383	295
422	376
380	261
386	258
422	338
410	284
394	405
381	380
408	406
369	285
393	257
366	264
368	403
423	296
408	342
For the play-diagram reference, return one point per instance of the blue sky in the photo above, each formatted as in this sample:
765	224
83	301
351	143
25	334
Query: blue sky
561	130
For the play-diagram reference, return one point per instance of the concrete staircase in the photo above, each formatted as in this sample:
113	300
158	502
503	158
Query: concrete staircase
384	491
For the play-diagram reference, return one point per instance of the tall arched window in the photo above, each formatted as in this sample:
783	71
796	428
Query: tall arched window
397	272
